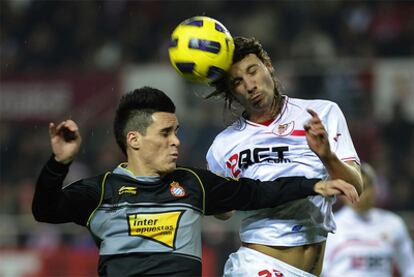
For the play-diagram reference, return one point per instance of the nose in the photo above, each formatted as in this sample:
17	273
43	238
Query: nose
175	141
250	85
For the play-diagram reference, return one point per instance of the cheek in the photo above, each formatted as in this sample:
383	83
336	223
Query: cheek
152	149
267	80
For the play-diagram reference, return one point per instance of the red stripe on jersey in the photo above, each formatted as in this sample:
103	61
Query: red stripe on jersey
298	133
350	159
267	122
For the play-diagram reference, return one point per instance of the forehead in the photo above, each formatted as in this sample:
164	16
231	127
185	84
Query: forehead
243	65
163	120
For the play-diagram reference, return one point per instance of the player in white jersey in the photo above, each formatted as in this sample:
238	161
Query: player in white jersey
278	136
368	241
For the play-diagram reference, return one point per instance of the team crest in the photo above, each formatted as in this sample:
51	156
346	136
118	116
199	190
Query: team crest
177	190
284	129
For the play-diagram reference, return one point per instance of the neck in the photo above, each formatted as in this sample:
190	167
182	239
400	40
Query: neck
136	168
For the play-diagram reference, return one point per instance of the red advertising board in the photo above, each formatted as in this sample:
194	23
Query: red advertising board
37	97
68	262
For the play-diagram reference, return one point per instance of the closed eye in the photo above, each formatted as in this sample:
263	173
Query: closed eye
168	131
252	69
236	82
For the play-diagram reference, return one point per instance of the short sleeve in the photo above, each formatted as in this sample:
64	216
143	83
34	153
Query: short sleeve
339	136
213	162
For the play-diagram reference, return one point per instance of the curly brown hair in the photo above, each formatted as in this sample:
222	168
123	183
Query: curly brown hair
243	47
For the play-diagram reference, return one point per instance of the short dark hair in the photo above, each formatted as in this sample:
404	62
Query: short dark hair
135	111
243	47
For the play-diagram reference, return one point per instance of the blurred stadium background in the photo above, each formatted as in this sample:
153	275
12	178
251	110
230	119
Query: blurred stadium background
74	59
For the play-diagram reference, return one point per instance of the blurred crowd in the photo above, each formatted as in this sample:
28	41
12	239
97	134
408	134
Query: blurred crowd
105	34
83	36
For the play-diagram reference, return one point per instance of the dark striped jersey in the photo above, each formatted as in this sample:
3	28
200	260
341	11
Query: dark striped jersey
153	227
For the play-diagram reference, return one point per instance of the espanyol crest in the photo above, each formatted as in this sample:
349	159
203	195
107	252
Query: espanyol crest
176	190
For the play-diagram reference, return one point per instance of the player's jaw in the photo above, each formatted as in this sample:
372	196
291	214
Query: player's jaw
168	162
260	102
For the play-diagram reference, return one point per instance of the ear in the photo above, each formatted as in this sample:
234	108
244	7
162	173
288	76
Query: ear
134	139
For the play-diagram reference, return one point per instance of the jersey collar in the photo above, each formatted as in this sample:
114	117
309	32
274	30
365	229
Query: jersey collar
122	170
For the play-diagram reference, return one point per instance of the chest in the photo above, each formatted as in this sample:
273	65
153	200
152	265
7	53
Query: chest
270	151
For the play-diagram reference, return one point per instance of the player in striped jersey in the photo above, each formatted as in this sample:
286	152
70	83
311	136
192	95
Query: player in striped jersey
280	136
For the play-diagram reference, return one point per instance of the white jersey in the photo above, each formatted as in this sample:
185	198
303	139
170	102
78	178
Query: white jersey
367	245
248	149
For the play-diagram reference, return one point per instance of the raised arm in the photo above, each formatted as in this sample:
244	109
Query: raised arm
51	203
65	140
318	141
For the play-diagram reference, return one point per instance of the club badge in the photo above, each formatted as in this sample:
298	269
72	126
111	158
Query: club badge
176	190
284	129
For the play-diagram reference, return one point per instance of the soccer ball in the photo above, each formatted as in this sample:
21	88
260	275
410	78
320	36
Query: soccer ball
201	49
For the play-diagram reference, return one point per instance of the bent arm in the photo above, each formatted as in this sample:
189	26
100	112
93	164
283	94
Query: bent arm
348	171
317	138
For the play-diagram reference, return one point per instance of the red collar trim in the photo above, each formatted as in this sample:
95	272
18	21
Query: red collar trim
267	122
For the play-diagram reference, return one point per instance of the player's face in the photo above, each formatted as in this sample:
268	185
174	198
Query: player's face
159	146
252	85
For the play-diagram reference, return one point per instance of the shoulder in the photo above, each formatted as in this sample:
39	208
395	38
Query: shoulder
90	182
232	129
316	104
388	217
328	111
186	173
194	179
197	174
228	134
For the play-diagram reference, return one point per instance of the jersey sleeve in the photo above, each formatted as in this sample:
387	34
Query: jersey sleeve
213	161
404	256
54	204
226	194
339	136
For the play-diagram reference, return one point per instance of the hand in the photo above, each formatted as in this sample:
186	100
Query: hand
337	187
317	137
65	140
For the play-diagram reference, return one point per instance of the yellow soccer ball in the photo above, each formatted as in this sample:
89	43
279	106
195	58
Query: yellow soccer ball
201	49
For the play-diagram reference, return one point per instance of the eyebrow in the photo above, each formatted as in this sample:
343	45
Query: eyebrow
170	128
247	69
